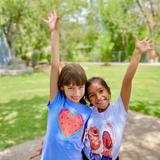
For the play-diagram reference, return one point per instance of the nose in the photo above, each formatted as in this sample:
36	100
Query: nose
77	92
98	96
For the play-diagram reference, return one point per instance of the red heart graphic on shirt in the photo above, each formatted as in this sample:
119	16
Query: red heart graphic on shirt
69	123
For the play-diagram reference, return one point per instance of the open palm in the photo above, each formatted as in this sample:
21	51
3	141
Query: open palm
52	21
144	45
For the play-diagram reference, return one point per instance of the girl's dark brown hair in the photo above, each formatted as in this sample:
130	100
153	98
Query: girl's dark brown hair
72	74
100	81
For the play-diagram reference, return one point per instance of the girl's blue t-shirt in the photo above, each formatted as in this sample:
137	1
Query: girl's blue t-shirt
65	127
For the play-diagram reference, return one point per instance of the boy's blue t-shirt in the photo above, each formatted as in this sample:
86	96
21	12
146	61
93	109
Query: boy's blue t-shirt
65	126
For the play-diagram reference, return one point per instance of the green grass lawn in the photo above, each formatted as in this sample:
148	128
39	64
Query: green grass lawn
23	99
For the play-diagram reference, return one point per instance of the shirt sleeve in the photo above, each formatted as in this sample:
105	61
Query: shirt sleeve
120	109
58	100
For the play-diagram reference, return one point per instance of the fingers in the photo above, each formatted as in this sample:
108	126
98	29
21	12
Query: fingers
143	45
45	20
55	15
135	38
148	42
148	45
54	12
37	154
144	41
33	157
52	15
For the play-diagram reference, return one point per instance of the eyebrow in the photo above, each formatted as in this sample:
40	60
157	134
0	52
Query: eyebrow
89	93
101	88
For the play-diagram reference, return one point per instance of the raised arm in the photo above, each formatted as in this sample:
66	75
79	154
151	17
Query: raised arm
53	23
140	47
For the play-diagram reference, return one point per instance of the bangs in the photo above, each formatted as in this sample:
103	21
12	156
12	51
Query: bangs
74	80
72	74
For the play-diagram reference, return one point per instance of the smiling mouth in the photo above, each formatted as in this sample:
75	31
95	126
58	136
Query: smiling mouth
75	98
100	102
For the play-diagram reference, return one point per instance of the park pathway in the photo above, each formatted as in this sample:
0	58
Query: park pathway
141	141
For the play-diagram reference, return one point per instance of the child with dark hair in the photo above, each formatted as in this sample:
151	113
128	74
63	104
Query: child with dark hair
106	125
67	111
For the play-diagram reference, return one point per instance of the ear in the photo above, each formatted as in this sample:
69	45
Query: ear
109	96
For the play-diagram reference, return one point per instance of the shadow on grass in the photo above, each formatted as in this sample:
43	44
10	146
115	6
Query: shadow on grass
148	107
21	120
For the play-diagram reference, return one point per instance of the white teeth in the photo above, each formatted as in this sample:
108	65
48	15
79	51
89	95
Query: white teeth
75	98
100	102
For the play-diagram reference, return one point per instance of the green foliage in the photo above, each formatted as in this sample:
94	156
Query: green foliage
103	47
23	20
84	25
122	26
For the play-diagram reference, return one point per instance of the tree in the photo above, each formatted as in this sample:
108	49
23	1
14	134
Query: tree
121	25
12	14
149	10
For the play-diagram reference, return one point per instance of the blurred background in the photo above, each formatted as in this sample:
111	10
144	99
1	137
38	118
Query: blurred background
91	30
99	34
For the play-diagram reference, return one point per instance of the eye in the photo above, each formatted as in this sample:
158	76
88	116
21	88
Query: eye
91	96
81	87
70	87
100	91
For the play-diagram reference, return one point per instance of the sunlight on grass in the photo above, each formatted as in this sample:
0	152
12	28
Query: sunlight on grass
22	120
10	117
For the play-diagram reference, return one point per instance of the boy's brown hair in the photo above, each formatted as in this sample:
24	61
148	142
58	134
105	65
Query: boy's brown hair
72	74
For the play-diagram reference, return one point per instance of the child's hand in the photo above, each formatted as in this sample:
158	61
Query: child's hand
36	154
53	21
144	45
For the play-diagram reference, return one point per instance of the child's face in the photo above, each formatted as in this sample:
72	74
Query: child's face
98	96
73	92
